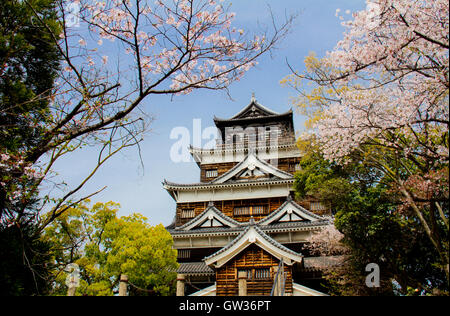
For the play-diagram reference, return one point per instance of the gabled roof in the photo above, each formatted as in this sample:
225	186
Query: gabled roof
211	191
171	186
252	235
209	218
278	227
253	111
290	212
252	166
195	268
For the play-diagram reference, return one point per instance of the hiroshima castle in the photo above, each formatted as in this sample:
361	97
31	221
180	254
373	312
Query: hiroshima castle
240	231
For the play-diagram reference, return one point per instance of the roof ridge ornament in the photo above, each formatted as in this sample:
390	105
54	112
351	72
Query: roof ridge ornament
253	97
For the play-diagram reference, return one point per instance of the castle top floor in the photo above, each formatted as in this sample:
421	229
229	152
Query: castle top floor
255	123
255	128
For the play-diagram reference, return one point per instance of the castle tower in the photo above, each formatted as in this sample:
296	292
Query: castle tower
241	218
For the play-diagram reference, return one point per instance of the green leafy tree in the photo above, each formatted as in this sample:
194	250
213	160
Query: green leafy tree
24	263
375	230
382	95
29	61
98	97
105	246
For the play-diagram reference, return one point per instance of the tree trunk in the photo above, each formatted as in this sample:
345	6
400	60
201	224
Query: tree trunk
433	235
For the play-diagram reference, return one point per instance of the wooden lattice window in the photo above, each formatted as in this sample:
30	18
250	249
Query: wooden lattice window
250	210
257	274
248	272
212	173
261	274
242	210
184	254
188	213
258	210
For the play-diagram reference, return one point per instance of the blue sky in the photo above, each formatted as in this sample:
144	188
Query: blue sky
138	188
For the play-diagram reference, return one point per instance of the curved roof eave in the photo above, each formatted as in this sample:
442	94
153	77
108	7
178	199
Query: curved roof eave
252	235
237	120
170	186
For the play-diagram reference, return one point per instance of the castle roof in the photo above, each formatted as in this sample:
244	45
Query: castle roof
288	217
234	231
288	212
252	165
211	217
171	186
253	111
195	268
252	235
251	172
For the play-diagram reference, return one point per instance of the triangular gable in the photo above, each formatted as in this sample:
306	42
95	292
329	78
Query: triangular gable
290	212
252	168
252	235
211	217
254	109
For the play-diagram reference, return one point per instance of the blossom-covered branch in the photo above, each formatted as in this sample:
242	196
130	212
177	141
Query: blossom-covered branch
382	95
120	54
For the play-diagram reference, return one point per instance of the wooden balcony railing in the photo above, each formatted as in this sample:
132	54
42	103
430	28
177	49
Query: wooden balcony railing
251	143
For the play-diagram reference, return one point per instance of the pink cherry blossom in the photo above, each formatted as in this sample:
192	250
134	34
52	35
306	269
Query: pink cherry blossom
326	242
397	71
384	98
159	48
199	26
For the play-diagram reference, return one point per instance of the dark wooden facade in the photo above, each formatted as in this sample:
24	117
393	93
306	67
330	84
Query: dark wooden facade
247	129
227	208
221	168
285	164
250	124
253	259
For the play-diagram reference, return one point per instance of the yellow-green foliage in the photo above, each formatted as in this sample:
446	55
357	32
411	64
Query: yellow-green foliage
105	246
313	98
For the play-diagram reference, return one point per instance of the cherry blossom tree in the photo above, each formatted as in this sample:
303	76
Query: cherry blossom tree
327	242
116	55
382	94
